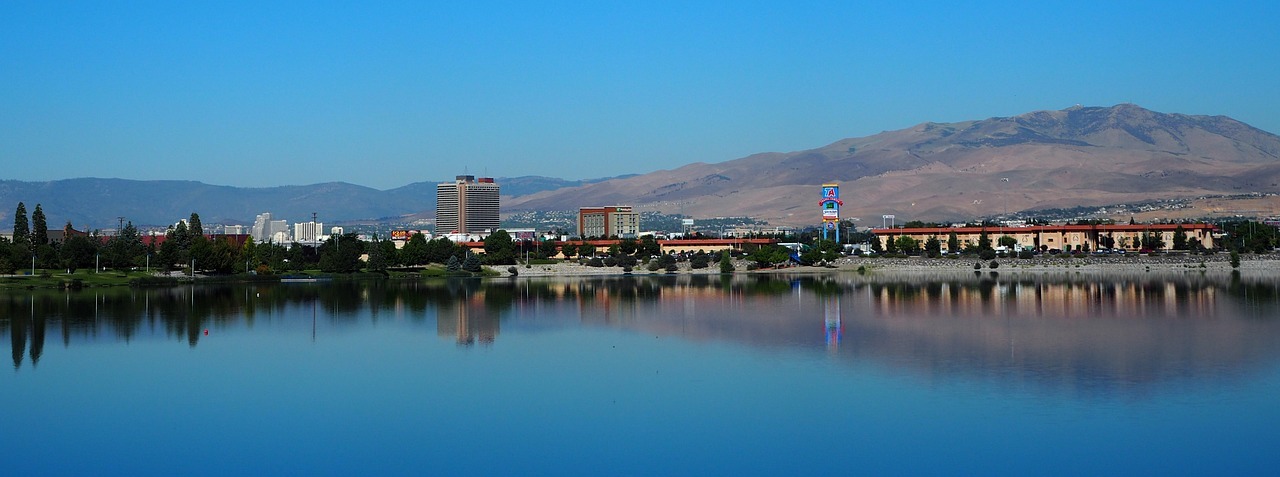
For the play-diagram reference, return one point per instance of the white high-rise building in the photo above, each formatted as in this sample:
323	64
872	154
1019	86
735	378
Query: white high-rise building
267	230
307	232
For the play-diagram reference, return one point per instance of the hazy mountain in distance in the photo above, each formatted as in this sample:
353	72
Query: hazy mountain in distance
945	171
92	203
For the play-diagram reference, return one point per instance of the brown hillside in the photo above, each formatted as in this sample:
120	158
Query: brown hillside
1073	157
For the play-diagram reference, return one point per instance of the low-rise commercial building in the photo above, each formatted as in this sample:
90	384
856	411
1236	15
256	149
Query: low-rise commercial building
1057	237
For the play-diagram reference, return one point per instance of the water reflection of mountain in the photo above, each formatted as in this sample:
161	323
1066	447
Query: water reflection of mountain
1052	332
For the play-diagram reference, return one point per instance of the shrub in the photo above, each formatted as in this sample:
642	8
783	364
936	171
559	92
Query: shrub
595	262
653	266
987	254
672	268
993	265
513	271
977	265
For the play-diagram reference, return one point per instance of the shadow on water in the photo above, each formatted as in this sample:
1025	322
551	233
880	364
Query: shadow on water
1066	332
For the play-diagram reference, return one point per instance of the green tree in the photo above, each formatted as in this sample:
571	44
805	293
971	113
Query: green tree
170	255
77	251
415	251
628	246
499	249
471	263
933	246
876	246
547	249
726	262
453	264
768	255
585	249
568	250
341	254
699	260
984	241
648	247
953	242
891	245
39	228
1007	241
377	255
440	249
222	256
1153	241
122	250
21	230
907	245
194	227
1179	238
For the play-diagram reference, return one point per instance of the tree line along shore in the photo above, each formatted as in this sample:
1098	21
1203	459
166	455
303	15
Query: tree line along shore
35	257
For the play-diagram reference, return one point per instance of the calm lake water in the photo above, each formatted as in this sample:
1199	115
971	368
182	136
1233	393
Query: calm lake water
834	375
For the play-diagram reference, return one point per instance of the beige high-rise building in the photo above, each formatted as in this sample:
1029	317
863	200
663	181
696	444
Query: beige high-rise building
467	205
611	221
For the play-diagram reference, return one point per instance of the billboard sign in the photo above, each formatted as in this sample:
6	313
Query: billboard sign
830	202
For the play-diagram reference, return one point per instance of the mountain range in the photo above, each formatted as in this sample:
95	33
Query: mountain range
1079	156
93	203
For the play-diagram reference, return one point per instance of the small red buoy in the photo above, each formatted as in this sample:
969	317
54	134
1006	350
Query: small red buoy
206	332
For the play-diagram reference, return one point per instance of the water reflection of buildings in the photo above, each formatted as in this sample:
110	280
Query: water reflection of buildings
467	321
834	322
1039	299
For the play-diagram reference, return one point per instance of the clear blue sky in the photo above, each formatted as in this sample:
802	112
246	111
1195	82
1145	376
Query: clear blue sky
276	93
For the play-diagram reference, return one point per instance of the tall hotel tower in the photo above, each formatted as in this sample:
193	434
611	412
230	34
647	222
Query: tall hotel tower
467	205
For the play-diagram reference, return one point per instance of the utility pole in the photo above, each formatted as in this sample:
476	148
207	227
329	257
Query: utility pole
120	227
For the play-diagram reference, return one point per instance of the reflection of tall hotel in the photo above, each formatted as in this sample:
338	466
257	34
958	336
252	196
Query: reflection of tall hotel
467	205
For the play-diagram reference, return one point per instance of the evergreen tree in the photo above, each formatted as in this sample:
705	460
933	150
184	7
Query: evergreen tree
726	262
21	231
39	229
984	241
194	227
1179	238
933	246
453	264
953	243
377	255
472	263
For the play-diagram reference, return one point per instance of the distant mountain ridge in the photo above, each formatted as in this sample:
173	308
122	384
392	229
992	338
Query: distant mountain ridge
982	168
94	203
1079	156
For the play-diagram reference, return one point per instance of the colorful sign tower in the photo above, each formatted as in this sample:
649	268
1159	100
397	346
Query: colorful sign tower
831	210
